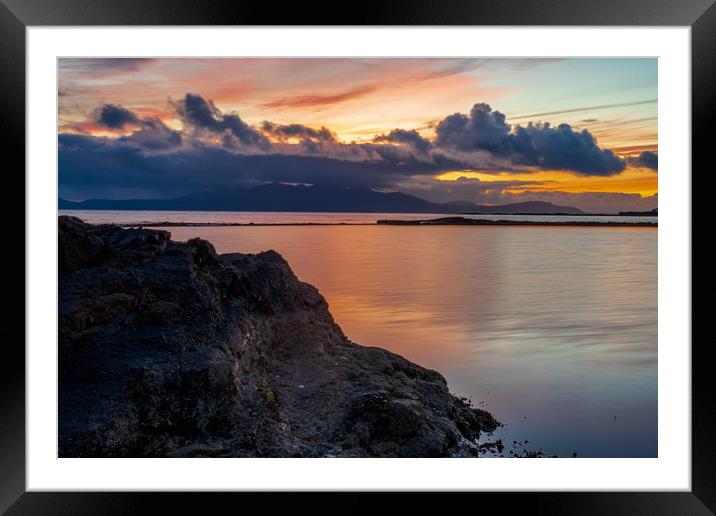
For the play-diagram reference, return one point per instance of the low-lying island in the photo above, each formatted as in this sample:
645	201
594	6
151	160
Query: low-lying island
465	221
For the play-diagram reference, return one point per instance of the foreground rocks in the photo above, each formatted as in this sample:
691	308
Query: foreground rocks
168	349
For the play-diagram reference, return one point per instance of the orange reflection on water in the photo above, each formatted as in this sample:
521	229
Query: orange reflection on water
558	325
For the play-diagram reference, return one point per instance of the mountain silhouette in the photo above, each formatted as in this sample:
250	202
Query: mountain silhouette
315	198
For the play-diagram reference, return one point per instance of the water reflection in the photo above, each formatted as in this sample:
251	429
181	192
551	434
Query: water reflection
554	328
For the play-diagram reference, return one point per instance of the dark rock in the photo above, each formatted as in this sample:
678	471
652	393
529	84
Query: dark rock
404	417
78	246
167	349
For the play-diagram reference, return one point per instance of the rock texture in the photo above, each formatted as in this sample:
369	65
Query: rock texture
168	349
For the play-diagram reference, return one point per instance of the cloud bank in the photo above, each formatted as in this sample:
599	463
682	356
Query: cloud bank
219	150
537	145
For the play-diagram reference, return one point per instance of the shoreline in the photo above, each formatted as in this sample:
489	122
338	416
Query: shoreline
230	355
230	224
449	221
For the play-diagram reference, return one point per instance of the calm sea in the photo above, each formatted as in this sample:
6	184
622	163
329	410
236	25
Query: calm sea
272	217
553	329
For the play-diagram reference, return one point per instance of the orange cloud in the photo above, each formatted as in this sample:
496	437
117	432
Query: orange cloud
318	100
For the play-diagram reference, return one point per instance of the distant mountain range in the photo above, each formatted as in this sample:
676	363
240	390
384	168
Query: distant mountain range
316	198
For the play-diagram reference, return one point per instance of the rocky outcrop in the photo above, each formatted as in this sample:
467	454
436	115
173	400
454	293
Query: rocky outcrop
168	349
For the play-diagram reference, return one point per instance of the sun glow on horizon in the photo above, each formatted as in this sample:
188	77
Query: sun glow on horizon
640	181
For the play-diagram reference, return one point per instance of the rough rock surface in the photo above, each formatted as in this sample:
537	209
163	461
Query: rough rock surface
168	349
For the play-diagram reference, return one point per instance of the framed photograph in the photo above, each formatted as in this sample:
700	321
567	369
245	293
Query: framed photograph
414	248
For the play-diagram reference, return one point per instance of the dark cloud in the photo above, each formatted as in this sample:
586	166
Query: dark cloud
562	148
150	134
482	140
412	138
301	132
537	145
484	129
646	159
203	115
113	116
137	166
107	167
154	135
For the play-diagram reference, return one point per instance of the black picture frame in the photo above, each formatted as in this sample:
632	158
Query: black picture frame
17	15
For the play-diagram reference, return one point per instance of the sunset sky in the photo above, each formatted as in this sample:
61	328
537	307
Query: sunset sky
579	132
